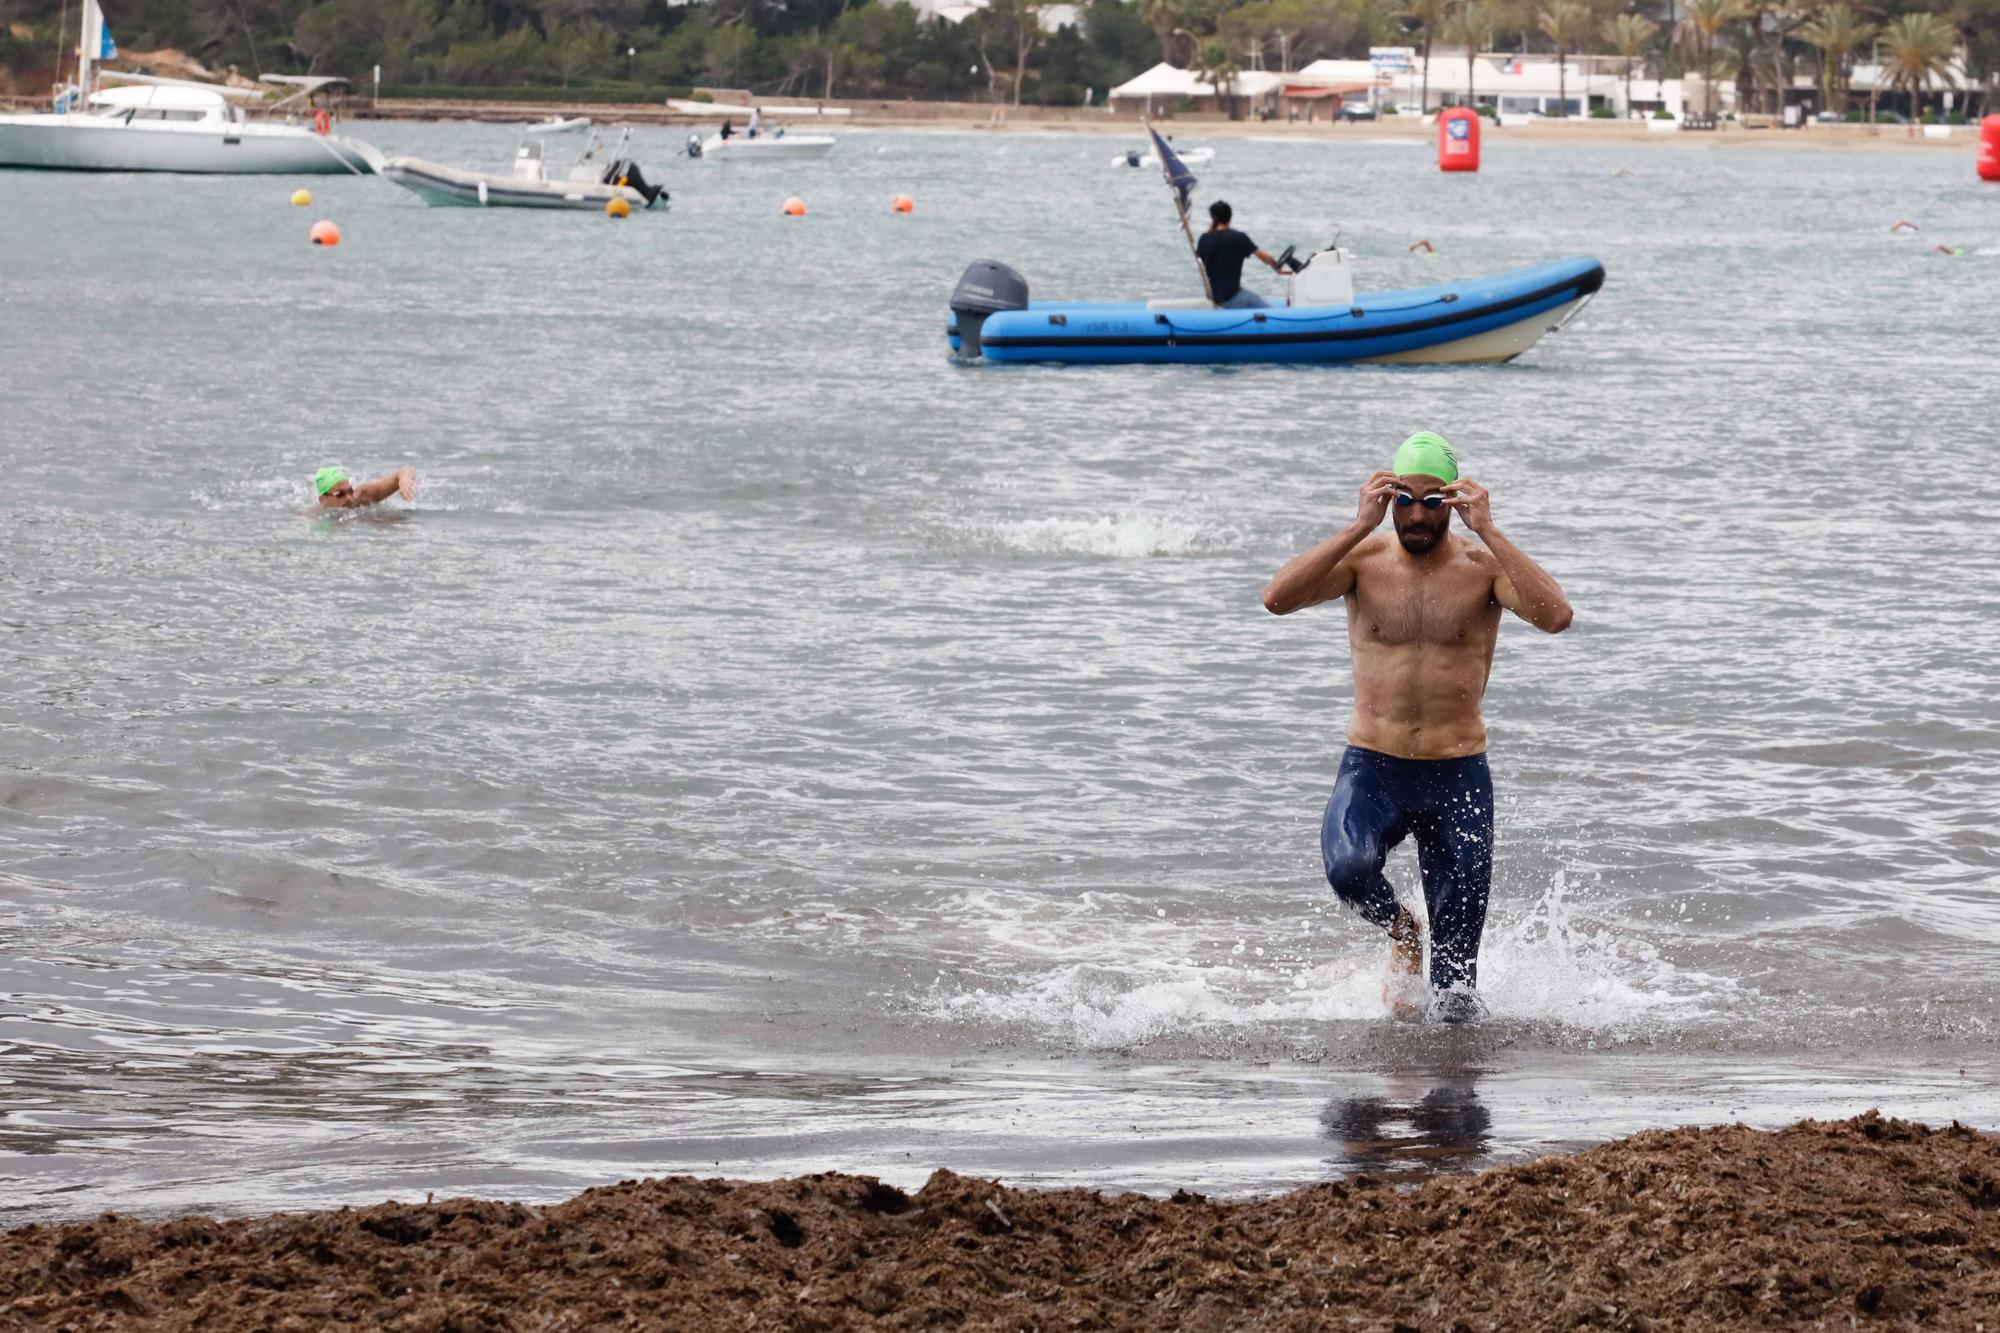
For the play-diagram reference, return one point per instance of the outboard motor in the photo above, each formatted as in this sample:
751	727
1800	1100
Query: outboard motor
985	288
626	171
694	145
1131	157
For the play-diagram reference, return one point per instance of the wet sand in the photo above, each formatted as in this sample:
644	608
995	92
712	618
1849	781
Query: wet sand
1869	1221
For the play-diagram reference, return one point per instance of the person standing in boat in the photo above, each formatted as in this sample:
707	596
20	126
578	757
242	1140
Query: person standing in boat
727	130
756	120
1222	250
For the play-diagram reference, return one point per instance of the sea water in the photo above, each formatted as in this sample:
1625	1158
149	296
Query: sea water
766	746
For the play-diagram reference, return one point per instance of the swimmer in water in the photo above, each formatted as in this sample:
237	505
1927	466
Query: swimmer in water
1423	612
337	492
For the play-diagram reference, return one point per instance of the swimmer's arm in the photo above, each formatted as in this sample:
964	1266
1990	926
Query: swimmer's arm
1325	573
403	479
1525	588
1520	585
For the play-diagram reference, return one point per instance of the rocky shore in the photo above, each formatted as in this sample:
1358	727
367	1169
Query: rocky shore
1869	1222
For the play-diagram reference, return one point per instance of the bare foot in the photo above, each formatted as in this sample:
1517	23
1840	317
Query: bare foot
1403	984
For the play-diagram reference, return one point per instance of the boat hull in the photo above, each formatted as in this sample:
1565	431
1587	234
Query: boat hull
765	148
1483	320
92	143
451	187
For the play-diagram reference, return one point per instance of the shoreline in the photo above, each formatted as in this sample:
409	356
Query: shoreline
1723	1227
961	118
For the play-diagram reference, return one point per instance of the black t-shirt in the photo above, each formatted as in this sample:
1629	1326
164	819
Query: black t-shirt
1222	253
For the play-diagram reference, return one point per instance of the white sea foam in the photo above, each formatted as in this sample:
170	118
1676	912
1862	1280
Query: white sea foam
1545	967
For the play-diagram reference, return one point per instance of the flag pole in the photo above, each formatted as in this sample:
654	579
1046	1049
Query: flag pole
1180	210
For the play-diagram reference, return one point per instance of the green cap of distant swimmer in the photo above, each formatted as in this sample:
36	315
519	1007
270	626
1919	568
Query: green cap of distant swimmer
327	478
1426	454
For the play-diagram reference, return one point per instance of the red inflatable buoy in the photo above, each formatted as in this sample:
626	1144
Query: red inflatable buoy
1989	149
1458	139
322	123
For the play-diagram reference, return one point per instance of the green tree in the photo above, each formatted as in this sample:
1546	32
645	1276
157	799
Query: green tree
1564	22
1429	16
1702	23
1838	32
1630	35
1213	66
1916	49
1472	26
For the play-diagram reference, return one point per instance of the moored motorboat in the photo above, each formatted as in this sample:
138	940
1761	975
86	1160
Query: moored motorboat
1479	320
591	184
1139	157
173	125
557	125
772	147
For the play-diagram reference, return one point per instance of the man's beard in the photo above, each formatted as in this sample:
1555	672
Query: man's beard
1419	540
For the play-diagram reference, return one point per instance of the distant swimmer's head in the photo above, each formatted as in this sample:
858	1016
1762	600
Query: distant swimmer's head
1425	465
335	490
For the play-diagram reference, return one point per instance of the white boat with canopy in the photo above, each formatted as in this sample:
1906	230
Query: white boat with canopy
157	124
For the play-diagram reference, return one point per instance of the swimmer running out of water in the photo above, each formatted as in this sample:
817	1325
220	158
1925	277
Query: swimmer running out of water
336	491
1423	612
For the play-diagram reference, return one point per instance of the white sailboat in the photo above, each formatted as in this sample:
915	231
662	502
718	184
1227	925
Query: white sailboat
165	125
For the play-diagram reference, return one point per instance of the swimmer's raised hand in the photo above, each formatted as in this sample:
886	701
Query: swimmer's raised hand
1376	493
1472	503
406	482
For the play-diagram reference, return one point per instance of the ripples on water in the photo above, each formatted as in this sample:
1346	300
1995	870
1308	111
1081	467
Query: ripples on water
767	746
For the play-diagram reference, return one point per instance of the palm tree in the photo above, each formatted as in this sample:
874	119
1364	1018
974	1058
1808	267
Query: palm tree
1630	35
1838	32
1915	49
1701	22
1162	16
1563	22
1431	15
1213	67
1472	24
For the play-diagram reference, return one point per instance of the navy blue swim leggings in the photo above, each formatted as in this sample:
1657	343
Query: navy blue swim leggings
1447	804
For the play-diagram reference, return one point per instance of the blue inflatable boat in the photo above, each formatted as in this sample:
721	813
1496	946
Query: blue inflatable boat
1473	321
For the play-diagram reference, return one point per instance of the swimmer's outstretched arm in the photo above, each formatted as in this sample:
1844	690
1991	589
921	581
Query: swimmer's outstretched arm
1322	574
402	481
1522	586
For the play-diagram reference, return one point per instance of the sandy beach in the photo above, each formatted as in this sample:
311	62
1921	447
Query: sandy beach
958	117
1818	1225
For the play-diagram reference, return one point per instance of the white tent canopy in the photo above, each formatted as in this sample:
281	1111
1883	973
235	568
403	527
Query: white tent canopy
1162	80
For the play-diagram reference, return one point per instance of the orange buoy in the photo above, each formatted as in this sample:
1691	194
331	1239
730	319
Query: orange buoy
1458	139
795	207
617	208
322	122
325	233
1989	149
904	204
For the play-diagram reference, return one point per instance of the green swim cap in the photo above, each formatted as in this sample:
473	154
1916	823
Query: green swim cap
327	478
1427	454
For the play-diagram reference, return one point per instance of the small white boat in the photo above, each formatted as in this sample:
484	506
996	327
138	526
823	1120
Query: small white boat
590	184
1136	157
166	125
767	147
558	125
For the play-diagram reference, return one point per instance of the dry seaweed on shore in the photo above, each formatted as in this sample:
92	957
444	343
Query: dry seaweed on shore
1869	1222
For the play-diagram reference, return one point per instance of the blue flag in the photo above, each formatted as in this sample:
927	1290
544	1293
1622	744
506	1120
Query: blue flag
107	49
1178	176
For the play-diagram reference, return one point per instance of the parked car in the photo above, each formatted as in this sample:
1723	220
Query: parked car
1356	111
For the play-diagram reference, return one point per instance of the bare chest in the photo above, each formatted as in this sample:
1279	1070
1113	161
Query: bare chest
1451	608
